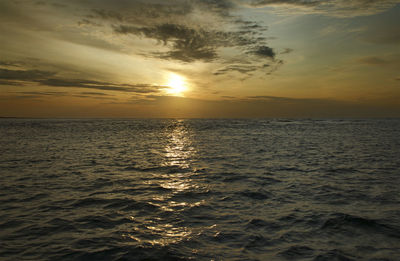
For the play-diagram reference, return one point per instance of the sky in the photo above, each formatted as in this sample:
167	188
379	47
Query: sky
200	58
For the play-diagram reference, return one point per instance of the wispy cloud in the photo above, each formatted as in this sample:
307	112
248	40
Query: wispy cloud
383	60
99	85
46	78
264	51
185	35
244	69
338	8
188	44
193	43
24	75
37	95
373	60
188	31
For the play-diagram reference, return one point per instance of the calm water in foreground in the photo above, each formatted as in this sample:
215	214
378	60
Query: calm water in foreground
199	189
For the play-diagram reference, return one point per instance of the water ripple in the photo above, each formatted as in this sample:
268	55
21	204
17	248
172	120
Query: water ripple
199	189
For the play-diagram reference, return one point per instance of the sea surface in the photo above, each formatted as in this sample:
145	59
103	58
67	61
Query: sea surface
178	189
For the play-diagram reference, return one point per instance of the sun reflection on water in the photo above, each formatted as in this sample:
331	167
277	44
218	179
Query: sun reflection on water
179	149
176	179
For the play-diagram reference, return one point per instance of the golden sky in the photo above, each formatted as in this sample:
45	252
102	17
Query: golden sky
200	58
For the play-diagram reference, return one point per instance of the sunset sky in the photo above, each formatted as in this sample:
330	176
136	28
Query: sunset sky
200	58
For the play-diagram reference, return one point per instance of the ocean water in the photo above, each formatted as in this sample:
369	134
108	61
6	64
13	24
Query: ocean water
199	189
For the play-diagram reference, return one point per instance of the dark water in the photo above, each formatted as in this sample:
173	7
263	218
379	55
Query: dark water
199	189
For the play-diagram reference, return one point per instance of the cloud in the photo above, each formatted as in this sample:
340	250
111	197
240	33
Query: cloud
373	60
191	43
137	12
11	63
265	52
85	21
383	60
287	50
24	75
218	6
155	11
188	44
267	98
244	69
184	31
259	3
99	85
188	30
43	94
45	78
108	14
194	43
8	82
95	93
338	8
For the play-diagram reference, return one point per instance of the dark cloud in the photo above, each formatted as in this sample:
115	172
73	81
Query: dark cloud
287	50
244	69
8	82
154	11
189	30
44	3
24	75
188	44
95	93
11	63
282	99
188	38
222	7
188	54
19	97
108	14
96	97
251	68
138	12
99	85
15	77
265	52
41	94
251	25
87	22
285	2
45	78
192	43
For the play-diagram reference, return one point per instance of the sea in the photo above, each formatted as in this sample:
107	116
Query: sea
200	189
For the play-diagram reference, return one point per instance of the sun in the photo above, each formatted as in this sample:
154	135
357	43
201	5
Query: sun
176	85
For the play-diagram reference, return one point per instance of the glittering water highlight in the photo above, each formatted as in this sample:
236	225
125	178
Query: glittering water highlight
199	189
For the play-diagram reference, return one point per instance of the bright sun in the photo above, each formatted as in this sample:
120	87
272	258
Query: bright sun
176	85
